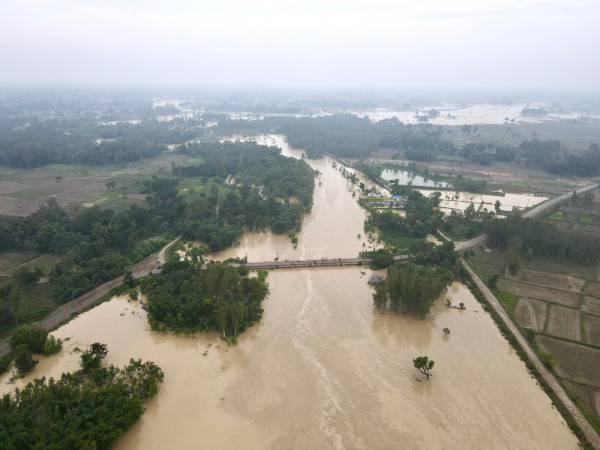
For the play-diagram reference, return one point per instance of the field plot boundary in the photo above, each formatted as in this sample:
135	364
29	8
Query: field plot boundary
592	329
563	298
549	280
593	289
531	313
592	309
577	362
564	322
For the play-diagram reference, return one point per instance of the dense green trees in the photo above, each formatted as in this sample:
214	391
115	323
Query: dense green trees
347	135
264	181
85	141
551	155
79	410
543	238
396	231
186	297
411	289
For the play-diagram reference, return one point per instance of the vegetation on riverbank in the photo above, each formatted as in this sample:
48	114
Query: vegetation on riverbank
96	245
91	408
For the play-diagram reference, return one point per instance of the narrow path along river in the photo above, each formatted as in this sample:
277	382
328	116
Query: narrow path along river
323	369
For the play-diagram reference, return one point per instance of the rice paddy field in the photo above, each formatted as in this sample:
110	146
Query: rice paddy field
23	191
560	302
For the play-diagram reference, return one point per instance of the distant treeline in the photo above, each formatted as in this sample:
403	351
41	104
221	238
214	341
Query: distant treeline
347	135
55	141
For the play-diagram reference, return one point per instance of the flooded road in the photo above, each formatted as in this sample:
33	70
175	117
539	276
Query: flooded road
324	369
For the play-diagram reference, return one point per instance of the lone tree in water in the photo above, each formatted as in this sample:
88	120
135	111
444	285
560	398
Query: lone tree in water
424	365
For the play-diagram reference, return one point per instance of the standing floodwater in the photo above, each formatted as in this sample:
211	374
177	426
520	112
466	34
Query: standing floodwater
324	369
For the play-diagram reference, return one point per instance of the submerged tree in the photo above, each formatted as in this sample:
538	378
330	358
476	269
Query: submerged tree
424	365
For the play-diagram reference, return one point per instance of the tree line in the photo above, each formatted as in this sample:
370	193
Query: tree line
543	238
86	142
346	135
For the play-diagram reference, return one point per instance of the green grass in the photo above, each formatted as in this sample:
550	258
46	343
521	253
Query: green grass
193	160
553	265
35	304
518	184
73	168
585	218
28	194
46	262
112	194
122	204
9	177
62	167
558	215
457	159
509	301
394	239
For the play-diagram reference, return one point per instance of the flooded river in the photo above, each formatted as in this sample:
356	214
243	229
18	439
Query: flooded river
324	369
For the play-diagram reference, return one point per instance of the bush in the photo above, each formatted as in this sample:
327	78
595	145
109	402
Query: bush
23	360
31	336
52	346
4	363
492	281
547	358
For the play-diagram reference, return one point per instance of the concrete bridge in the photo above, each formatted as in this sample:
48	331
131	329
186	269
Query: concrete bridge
323	262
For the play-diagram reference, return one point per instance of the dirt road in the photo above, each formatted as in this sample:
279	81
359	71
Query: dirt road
533	357
82	302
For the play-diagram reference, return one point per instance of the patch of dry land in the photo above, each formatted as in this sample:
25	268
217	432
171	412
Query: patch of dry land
531	313
539	292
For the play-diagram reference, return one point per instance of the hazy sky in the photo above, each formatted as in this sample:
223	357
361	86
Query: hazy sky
499	44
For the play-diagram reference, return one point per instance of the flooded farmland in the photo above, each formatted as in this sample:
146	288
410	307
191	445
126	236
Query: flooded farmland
324	369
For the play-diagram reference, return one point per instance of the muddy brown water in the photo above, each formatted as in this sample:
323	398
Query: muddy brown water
324	369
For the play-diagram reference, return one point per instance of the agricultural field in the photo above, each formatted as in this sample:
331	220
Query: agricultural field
531	313
539	292
560	301
564	322
578	363
550	280
592	329
582	217
593	289
591	305
44	262
23	191
588	397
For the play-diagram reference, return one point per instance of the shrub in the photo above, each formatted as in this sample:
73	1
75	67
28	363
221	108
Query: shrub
52	346
31	336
